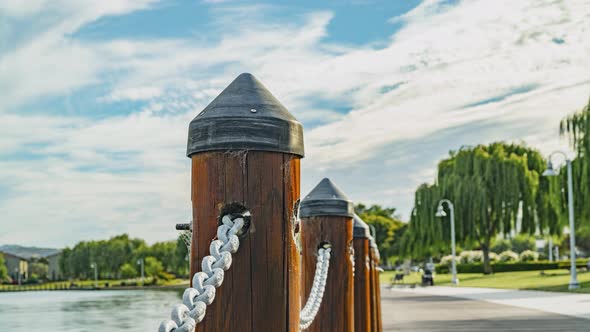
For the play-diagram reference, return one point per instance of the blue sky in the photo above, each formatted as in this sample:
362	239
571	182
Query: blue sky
97	95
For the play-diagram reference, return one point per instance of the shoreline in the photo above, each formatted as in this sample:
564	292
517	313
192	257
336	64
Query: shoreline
40	288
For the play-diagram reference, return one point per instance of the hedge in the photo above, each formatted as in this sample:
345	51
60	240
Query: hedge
512	266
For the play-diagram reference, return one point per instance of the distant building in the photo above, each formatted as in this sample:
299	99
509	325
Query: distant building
18	267
54	272
17	261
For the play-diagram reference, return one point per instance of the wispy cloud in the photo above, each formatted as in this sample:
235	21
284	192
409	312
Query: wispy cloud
455	73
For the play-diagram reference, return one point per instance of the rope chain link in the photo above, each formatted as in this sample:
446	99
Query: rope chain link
311	308
186	316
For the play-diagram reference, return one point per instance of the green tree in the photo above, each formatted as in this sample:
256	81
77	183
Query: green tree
39	267
153	266
166	253
181	257
523	242
386	225
127	271
576	128
3	270
110	256
583	237
501	245
488	185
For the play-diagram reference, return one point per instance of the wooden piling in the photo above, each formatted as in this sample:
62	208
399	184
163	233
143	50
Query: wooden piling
376	321
245	149
362	275
326	216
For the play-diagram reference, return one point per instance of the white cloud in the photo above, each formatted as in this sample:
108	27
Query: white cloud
470	73
17	8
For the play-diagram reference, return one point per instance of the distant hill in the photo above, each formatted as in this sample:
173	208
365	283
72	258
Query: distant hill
27	252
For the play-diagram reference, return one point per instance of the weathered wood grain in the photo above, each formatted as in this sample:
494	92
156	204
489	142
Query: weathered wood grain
376	318
259	292
373	292
362	285
336	313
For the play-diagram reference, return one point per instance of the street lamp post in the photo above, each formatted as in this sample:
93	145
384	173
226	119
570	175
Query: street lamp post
140	262
440	212
570	198
93	265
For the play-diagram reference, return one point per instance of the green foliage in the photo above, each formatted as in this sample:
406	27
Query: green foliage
520	243
153	266
529	256
39	268
583	238
165	276
487	184
388	228
508	256
501	245
523	242
110	256
3	270
426	235
128	271
502	267
580	262
576	128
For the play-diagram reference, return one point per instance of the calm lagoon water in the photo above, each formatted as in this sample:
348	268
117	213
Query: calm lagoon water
104	310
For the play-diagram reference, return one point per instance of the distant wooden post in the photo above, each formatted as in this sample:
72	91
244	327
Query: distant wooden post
326	216
362	275
245	149
376	321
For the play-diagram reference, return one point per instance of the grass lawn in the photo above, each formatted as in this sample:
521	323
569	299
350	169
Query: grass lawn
553	280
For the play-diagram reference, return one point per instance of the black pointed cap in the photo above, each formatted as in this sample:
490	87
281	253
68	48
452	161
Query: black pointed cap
245	116
360	229
326	200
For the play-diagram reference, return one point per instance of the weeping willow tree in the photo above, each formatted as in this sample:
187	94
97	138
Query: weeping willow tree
424	233
489	186
576	128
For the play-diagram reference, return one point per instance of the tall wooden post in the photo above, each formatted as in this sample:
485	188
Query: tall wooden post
326	216
362	275
245	149
376	319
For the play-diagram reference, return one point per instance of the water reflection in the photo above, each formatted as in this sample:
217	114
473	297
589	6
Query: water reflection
131	310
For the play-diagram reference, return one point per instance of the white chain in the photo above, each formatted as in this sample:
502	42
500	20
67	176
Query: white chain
316	294
187	315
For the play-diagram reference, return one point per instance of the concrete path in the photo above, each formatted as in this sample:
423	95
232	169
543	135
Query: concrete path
458	309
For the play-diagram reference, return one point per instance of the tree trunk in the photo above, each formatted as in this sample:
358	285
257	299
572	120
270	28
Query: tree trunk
487	267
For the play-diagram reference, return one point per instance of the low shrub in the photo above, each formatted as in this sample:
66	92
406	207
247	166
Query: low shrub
468	257
529	256
166	276
582	262
506	267
494	257
471	256
446	260
508	256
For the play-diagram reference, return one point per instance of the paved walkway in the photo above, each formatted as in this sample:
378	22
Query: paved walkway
479	309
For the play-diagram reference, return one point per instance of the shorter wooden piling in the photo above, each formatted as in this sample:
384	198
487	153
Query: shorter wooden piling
376	322
362	275
326	217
